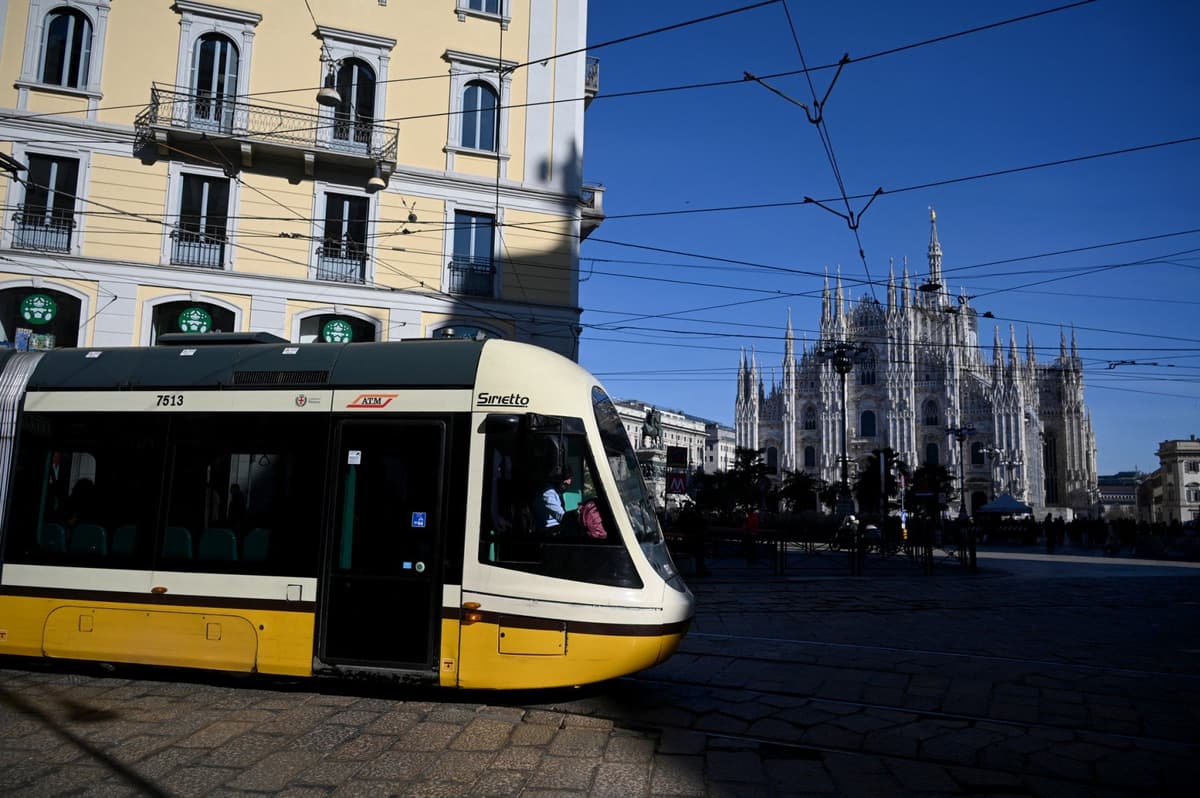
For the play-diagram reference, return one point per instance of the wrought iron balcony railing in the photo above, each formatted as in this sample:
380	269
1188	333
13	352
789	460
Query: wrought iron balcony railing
591	78
342	262
472	276
190	110
37	228
197	249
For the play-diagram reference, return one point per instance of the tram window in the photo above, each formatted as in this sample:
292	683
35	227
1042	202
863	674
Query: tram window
244	494
536	521
85	489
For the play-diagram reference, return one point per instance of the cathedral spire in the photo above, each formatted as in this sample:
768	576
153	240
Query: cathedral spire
1062	343
825	309
905	287
837	297
996	347
1074	347
891	306
1030	353
1012	347
788	339
935	251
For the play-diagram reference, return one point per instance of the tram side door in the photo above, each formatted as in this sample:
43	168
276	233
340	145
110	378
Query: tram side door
382	601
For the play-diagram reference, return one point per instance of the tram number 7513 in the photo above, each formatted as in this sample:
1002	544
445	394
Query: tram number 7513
169	400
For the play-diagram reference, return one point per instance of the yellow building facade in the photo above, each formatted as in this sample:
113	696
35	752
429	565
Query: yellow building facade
372	170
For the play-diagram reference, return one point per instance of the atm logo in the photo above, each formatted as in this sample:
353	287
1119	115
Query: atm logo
372	400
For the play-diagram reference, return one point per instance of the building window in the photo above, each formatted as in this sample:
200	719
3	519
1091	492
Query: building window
866	371
810	457
214	81
66	49
931	454
810	417
480	96
1192	466
977	453
46	218
342	256
472	270
354	116
867	425
337	328
772	460
479	117
199	239
494	9
930	414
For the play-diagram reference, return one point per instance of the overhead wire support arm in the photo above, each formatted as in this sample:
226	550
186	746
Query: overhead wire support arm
818	105
852	220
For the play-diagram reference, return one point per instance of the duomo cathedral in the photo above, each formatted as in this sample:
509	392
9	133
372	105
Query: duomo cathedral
922	384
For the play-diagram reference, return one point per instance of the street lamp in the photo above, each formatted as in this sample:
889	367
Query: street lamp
960	434
842	355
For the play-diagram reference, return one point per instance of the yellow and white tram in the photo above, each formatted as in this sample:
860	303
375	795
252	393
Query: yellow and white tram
328	509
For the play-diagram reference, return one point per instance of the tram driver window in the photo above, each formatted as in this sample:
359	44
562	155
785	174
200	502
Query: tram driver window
545	511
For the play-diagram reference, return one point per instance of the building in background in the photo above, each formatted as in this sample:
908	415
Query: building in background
184	174
720	448
1118	494
1172	493
921	373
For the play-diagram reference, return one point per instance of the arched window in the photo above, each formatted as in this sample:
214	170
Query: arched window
866	427
931	454
977	453
354	116
810	417
866	371
772	460
214	81
810	457
66	48
930	413
479	116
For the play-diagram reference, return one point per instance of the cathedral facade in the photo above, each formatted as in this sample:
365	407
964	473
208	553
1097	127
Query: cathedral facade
917	380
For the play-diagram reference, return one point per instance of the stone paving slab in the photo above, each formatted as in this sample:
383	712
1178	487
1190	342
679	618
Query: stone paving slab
996	683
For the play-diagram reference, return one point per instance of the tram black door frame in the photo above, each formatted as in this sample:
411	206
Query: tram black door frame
381	601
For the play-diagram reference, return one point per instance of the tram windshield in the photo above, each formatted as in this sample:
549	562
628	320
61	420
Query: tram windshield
625	469
632	489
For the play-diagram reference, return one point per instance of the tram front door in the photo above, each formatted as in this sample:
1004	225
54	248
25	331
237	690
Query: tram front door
383	588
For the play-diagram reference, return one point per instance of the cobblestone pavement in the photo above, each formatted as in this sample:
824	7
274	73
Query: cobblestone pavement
1012	681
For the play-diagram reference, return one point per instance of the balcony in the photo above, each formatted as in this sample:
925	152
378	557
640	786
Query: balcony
591	203
472	276
197	249
591	80
186	119
342	262
40	230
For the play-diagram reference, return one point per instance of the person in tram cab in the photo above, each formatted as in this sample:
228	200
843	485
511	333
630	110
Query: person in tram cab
549	510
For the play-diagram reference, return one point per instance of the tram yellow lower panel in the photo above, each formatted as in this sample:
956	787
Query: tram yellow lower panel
190	637
583	659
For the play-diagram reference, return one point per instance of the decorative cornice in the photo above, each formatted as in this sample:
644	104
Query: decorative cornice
220	12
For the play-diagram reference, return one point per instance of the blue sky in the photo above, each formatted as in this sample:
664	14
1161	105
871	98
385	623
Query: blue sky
666	326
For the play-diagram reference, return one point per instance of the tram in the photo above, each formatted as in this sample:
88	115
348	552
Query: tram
240	503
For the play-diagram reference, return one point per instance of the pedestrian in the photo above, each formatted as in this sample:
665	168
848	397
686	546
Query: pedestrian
750	537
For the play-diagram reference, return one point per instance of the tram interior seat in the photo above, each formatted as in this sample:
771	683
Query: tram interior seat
254	547
89	539
52	537
177	543
124	539
217	543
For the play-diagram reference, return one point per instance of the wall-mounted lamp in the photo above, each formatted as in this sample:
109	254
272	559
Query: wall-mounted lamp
328	94
376	183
